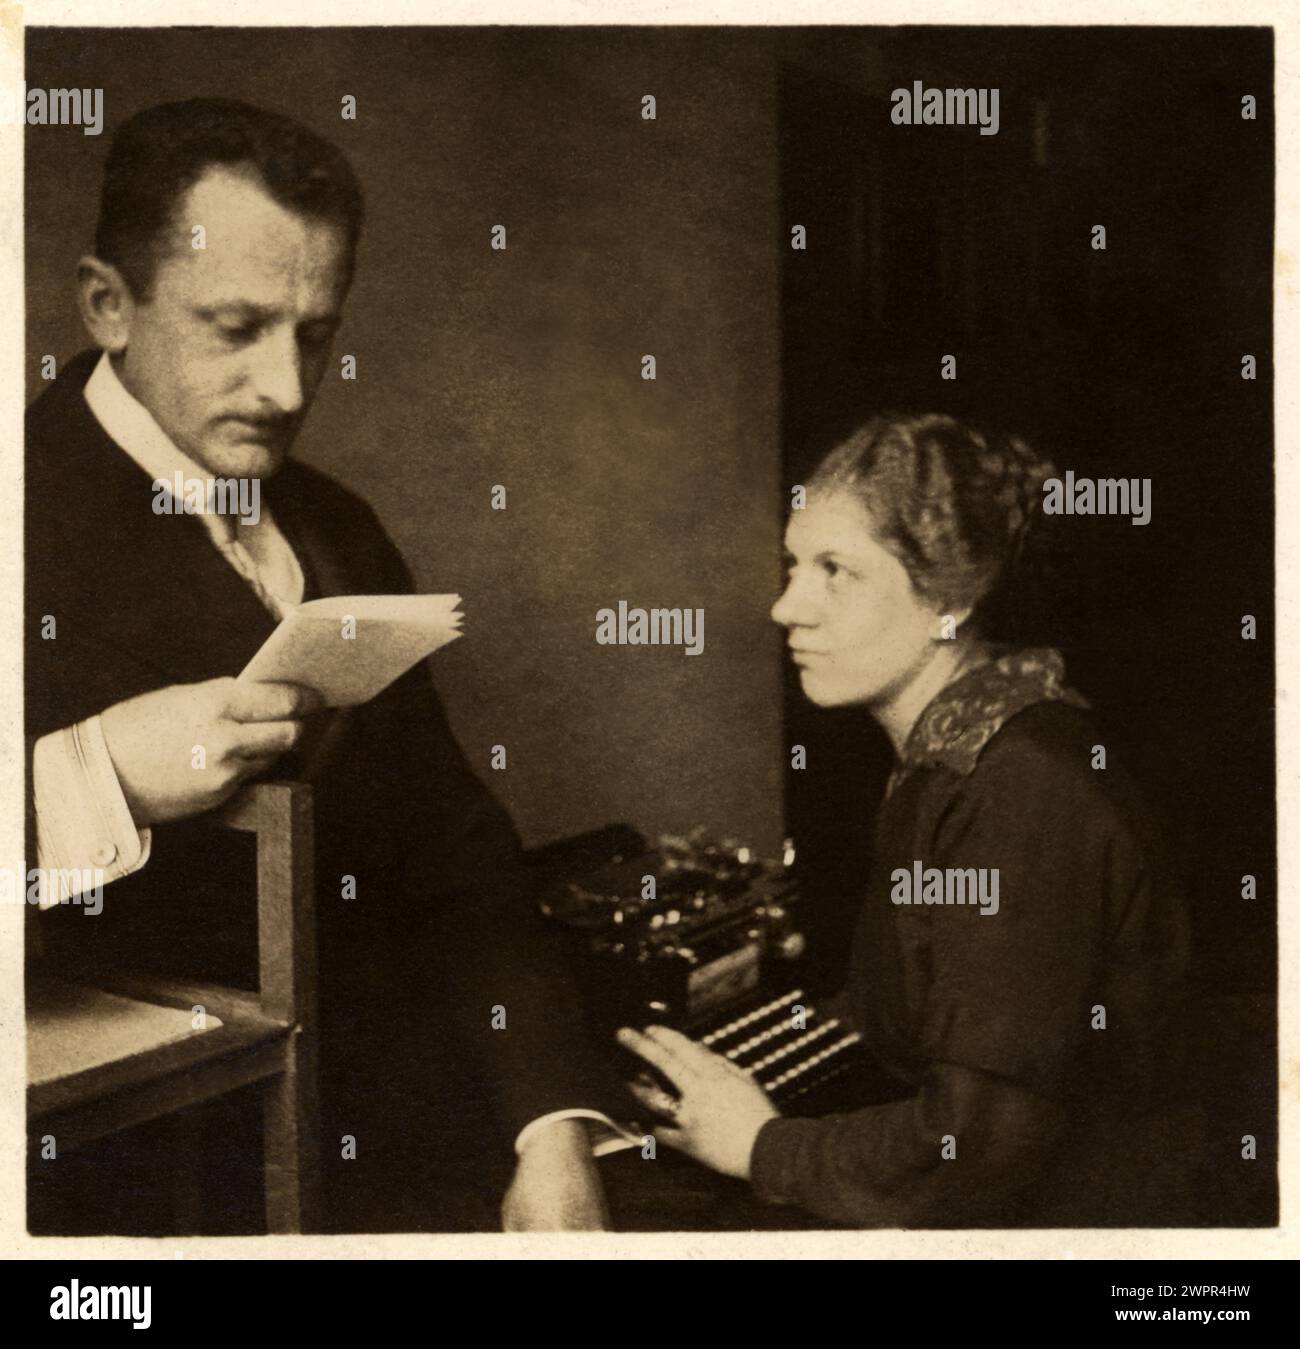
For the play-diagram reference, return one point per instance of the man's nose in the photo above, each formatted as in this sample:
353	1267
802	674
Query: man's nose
277	373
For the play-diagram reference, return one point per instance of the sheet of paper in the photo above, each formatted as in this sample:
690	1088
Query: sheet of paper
71	1029
351	647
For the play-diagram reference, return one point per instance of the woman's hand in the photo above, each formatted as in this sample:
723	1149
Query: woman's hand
719	1109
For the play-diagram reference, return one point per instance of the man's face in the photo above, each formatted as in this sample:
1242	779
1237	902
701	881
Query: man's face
229	350
857	628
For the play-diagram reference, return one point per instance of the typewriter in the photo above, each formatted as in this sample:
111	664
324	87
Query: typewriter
703	936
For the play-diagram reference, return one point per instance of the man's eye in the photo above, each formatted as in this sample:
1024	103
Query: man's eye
237	332
832	569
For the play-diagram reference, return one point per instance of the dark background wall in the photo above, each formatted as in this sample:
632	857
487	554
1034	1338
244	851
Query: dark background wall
522	367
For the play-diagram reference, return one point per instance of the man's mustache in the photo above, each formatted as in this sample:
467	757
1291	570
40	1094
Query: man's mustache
271	428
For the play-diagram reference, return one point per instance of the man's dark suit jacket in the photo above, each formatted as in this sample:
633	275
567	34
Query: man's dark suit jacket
441	928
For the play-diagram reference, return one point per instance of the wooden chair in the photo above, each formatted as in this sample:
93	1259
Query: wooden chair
107	1051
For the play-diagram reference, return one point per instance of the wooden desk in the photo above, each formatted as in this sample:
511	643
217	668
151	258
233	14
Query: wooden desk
107	1050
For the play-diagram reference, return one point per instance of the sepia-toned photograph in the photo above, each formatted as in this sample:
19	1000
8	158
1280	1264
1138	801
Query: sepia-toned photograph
648	629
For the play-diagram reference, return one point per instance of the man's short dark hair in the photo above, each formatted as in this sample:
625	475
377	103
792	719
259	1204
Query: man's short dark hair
161	152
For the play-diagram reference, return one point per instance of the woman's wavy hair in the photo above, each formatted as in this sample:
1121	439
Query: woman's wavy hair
961	509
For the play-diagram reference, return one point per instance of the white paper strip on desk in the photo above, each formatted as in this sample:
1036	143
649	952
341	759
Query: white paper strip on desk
349	662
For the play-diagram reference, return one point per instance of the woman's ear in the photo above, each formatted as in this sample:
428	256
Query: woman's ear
948	624
107	305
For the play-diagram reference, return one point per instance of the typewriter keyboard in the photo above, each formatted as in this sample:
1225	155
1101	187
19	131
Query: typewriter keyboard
788	1054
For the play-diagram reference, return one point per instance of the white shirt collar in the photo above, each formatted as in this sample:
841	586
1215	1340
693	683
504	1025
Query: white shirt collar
131	425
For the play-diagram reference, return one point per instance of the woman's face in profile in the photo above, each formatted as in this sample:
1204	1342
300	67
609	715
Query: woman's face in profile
856	627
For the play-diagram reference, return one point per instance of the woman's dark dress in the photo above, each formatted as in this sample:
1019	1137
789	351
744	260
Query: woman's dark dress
1047	1118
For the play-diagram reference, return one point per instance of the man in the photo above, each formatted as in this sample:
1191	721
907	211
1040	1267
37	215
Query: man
223	257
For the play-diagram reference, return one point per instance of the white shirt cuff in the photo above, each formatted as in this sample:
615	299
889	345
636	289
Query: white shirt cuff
85	836
605	1135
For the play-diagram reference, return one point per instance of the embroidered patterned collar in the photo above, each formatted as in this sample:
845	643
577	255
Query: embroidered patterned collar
962	718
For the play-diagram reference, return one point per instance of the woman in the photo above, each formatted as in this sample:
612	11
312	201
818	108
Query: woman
1037	1026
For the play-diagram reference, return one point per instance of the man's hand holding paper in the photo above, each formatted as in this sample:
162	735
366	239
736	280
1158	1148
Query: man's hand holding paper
241	727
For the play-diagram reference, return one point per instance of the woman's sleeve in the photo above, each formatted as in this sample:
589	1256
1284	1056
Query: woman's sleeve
1002	1009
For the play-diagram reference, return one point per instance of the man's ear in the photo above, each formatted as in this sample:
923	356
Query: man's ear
107	305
